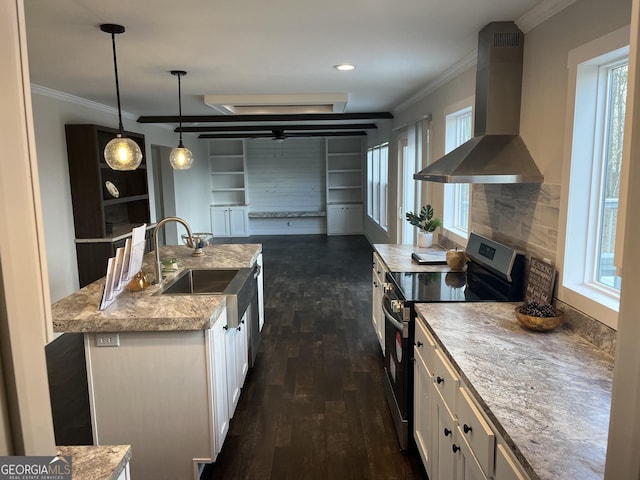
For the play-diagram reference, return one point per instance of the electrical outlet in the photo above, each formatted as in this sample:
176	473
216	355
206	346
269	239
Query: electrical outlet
107	340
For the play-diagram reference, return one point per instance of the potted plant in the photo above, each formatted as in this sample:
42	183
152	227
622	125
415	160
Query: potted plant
426	225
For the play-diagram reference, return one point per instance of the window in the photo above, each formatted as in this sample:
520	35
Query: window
377	179
458	129
589	279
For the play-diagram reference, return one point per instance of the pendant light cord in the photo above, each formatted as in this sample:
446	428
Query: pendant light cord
115	68
180	111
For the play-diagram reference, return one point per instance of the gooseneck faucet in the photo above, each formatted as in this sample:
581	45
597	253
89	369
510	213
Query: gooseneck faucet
156	247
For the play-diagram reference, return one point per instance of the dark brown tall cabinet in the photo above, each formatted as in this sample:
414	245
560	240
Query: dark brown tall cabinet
107	203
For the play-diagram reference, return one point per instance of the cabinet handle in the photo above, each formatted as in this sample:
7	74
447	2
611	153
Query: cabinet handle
439	380
226	327
455	448
467	428
447	432
239	327
419	344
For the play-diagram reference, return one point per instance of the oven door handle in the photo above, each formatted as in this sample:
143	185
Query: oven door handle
398	325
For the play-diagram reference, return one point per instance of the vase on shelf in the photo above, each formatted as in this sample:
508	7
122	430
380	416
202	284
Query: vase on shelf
425	239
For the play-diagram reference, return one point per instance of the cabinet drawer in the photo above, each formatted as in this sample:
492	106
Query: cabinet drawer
446	380
424	346
507	467
476	431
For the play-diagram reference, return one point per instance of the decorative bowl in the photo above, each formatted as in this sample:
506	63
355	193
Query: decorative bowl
205	238
539	324
456	259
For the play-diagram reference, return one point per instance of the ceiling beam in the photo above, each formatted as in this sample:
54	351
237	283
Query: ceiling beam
267	128
301	117
357	133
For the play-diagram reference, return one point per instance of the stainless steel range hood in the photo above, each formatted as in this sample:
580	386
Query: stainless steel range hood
496	153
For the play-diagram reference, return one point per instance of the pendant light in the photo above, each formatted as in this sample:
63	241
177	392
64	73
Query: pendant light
180	157
121	153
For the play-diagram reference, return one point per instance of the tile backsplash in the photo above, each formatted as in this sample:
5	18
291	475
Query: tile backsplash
525	217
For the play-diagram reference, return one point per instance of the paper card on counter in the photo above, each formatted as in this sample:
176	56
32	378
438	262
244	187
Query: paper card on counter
137	249
125	277
117	270
107	291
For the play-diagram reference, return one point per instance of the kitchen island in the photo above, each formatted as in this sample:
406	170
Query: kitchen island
547	395
164	371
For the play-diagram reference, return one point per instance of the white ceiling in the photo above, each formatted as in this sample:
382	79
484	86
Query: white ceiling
253	47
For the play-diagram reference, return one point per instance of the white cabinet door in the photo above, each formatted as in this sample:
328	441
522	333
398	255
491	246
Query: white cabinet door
444	456
238	221
237	363
230	221
354	219
335	219
344	219
423	424
220	222
220	407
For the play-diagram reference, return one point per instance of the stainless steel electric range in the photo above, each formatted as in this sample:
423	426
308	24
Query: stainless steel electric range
494	273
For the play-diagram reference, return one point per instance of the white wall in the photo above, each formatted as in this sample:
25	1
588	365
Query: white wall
51	111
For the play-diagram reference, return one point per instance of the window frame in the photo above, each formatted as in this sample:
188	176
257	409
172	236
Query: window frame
452	208
584	136
378	184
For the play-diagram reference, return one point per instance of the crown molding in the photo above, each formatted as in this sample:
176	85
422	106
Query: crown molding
452	72
527	22
83	102
541	12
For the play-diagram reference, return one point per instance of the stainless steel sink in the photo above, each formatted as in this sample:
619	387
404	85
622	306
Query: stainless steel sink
199	281
238	285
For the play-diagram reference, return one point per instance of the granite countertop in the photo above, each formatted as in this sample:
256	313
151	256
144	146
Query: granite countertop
104	462
398	257
142	311
549	394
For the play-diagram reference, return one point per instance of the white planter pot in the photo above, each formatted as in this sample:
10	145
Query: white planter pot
425	239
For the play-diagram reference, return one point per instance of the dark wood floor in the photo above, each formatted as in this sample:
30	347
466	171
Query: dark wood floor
314	405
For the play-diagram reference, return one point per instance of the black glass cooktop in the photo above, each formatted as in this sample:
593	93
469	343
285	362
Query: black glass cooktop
440	287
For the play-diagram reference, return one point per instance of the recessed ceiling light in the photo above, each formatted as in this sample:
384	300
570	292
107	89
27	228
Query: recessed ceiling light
344	67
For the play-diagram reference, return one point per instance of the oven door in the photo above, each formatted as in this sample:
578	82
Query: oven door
397	363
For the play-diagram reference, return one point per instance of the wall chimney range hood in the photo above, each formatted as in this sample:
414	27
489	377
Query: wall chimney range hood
496	153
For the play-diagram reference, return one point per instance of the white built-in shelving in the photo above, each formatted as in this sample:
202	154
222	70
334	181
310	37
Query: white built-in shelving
227	166
228	172
344	185
344	170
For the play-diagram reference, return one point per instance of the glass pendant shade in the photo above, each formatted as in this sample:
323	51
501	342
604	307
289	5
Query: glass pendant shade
122	153
181	158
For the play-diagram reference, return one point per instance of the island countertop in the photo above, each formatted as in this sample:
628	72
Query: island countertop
104	462
142	311
548	394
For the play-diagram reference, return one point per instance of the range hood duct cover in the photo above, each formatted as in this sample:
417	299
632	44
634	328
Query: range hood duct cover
496	153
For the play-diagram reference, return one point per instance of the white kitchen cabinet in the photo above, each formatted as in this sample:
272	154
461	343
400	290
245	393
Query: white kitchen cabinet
162	392
463	444
218	371
424	416
345	219
379	273
444	456
229	221
236	346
